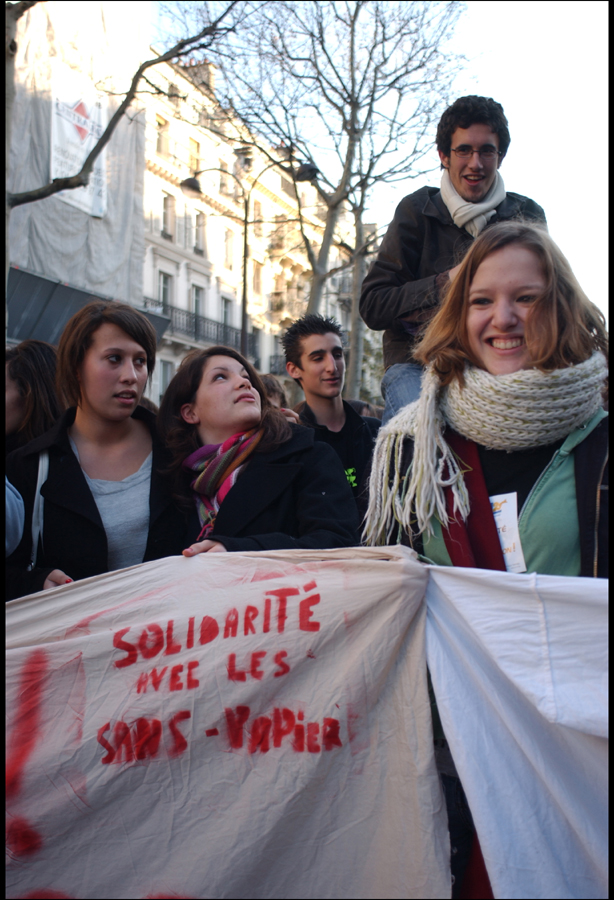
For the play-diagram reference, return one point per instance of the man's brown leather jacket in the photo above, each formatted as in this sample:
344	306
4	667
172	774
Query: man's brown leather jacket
422	243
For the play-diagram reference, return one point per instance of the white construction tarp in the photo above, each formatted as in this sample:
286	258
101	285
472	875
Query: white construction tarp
519	669
226	726
79	116
96	47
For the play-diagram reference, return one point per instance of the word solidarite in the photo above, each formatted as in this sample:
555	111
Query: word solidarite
141	739
153	639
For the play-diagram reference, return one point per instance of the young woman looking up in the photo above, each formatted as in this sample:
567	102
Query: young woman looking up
510	415
250	478
105	504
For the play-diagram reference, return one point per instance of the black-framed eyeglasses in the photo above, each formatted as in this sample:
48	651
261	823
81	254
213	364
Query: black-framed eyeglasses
486	152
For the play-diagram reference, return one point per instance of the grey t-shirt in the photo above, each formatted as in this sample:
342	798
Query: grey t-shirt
124	510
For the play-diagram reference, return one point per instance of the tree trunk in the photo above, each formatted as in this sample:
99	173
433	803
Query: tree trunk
319	275
354	375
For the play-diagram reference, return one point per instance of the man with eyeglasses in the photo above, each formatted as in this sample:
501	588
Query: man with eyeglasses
430	233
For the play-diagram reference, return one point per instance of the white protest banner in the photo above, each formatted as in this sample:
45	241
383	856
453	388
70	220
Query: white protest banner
225	726
519	669
78	119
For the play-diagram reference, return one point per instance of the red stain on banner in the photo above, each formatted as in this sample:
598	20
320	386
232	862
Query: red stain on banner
26	727
22	839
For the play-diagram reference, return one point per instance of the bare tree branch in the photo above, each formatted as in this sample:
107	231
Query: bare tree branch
201	41
355	87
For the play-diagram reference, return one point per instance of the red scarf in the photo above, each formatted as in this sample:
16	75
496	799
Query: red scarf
217	467
475	542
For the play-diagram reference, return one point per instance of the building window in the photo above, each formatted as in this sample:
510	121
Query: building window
228	248
168	217
165	289
199	234
194	155
278	235
257	282
254	346
226	310
162	143
198	300
257	218
224	186
287	186
167	370
173	94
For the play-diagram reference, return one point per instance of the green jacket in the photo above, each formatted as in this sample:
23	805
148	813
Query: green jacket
548	523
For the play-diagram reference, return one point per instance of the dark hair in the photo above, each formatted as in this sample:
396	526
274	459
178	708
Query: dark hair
303	328
563	329
146	403
468	111
362	407
273	388
181	438
78	336
32	366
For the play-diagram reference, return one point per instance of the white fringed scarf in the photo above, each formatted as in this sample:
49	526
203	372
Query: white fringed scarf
473	217
520	411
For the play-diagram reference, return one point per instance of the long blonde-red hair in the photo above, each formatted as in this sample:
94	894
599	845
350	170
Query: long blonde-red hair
564	328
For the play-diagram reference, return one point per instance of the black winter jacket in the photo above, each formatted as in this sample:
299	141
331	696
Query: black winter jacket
73	537
422	242
362	434
294	497
591	464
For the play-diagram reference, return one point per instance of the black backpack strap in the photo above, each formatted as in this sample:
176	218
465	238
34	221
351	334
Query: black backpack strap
591	471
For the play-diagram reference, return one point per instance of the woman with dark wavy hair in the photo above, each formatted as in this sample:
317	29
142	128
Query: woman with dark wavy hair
32	404
252	480
510	422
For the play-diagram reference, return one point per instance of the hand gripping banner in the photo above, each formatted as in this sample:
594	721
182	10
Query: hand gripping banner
237	726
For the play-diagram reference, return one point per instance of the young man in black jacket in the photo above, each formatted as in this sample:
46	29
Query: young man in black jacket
314	358
431	231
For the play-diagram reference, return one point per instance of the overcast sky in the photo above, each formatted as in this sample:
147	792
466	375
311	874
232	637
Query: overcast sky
546	63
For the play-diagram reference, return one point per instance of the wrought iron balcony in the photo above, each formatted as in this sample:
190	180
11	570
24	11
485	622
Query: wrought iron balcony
202	330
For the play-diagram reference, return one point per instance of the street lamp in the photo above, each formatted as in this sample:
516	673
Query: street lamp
191	188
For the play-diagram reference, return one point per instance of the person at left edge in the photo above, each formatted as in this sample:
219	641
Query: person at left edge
105	505
14	516
251	479
314	358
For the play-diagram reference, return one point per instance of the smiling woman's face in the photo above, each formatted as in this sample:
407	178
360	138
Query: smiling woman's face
502	292
226	402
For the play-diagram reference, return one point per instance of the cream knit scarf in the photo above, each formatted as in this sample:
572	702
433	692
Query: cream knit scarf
472	216
526	409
